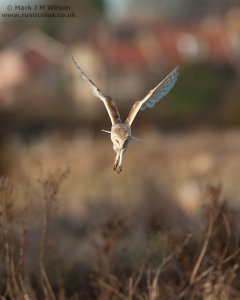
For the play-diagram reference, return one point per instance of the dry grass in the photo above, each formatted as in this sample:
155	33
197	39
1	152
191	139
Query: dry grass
80	233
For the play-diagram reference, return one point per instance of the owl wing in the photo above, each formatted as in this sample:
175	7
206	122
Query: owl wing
154	95
110	105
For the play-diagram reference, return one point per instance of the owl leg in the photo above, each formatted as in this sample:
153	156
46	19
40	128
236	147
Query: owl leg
119	168
115	165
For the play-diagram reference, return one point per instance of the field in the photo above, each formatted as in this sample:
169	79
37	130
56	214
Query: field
166	228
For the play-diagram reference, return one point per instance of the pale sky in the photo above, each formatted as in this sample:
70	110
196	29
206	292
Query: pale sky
117	9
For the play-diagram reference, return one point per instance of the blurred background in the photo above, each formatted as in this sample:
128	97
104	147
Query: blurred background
50	122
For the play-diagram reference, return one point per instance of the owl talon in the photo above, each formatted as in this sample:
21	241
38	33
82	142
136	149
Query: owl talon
119	169
115	167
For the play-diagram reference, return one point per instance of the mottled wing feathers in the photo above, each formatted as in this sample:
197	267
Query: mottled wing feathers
112	110
161	90
154	95
108	102
132	114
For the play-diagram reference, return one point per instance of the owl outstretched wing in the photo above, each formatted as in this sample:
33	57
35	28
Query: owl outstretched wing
154	95
110	105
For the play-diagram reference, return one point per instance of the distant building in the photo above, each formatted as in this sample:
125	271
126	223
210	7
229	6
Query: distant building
150	46
124	60
29	68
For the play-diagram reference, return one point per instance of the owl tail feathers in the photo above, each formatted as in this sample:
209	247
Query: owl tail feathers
133	138
136	139
105	131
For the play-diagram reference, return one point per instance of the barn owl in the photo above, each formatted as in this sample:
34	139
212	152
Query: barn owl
121	132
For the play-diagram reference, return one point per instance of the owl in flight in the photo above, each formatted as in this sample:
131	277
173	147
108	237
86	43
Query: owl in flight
121	132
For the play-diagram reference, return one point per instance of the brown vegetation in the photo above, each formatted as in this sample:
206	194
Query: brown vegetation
95	244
